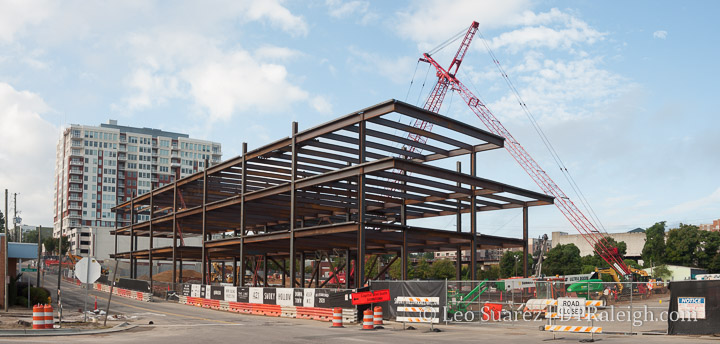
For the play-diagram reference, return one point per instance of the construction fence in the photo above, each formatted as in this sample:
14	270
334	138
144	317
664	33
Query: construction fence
638	307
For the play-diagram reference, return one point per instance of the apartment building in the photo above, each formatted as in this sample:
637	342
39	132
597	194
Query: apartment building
97	167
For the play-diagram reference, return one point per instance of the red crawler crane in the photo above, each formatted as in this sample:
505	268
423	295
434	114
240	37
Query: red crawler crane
447	80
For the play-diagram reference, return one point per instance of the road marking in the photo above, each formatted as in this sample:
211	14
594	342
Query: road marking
175	314
191	325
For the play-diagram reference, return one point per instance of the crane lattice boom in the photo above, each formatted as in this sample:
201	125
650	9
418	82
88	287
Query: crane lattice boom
446	81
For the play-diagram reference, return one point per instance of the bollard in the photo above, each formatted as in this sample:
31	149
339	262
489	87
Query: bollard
38	317
368	320
378	317
337	319
48	316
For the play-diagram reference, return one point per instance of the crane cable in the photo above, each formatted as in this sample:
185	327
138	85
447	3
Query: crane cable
543	137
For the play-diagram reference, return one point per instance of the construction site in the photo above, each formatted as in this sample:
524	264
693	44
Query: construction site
331	223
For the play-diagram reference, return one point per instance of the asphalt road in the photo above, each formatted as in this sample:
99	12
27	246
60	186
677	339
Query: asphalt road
174	323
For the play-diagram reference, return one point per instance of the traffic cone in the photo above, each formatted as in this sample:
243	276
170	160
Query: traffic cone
95	304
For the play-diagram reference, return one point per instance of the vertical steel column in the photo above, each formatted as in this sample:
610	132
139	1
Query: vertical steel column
458	225
473	219
284	267
174	236
150	257
404	249
243	189
293	174
180	275
235	273
347	269
265	271
525	241
360	262
132	235
302	270
222	274
204	267
116	237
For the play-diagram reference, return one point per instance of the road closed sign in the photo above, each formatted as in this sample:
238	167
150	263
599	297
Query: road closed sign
571	307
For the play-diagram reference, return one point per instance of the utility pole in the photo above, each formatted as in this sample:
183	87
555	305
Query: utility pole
15	229
39	260
5	256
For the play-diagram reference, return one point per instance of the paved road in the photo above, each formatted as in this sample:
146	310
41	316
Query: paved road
175	323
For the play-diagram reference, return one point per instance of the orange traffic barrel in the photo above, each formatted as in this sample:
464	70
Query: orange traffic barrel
377	316
337	319
491	311
38	317
48	316
368	320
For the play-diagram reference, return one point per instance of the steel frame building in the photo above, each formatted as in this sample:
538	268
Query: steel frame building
346	187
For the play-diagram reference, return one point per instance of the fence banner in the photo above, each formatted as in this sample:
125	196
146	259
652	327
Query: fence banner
243	294
217	292
403	289
694	307
230	293
284	296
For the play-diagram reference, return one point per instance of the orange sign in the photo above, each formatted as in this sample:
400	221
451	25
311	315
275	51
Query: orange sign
365	297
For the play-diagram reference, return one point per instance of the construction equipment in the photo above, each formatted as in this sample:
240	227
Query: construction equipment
594	288
447	80
459	301
540	256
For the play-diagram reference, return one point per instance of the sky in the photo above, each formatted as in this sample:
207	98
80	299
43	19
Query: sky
623	90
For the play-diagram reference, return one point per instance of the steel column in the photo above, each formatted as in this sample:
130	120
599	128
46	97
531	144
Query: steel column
458	225
150	257
132	235
265	271
243	188
360	262
174	235
347	269
473	219
302	269
293	176
525	241
204	267
404	249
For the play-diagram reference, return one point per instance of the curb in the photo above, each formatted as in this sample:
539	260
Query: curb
64	332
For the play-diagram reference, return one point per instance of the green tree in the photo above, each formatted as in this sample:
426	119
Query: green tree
682	244
511	264
51	244
654	250
714	266
492	273
442	269
661	271
611	245
420	271
562	260
2	222
708	248
395	270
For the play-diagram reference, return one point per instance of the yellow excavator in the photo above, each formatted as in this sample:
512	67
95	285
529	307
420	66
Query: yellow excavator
650	285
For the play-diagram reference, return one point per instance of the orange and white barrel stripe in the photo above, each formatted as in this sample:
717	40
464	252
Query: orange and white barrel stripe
337	319
38	317
576	329
378	316
368	320
48	316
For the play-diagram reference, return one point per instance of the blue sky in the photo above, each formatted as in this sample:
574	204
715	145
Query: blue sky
623	90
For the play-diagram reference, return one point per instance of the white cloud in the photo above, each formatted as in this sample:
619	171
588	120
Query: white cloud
355	9
661	34
397	69
321	104
271	52
430	22
29	143
16	15
278	15
570	31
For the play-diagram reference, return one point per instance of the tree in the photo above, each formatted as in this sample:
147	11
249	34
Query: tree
421	270
562	260
492	273
714	266
708	248
442	269
51	244
511	264
661	271
610	244
682	244
2	222
653	251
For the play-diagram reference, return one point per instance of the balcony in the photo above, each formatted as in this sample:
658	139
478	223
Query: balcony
121	175
174	164
121	157
75	198
154	180
75	216
76	162
76	180
75	189
74	207
76	136
75	171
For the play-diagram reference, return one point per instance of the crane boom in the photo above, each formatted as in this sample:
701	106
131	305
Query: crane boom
447	80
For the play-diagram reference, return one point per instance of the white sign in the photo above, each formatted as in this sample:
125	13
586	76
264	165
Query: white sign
576	278
571	307
703	277
88	270
519	283
256	295
284	296
691	307
309	297
195	290
208	291
231	294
